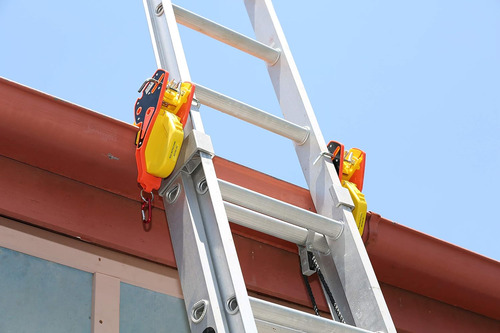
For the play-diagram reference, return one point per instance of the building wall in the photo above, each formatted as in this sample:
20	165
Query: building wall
50	283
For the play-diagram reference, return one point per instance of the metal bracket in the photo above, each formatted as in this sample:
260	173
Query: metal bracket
341	197
305	262
305	259
194	144
323	154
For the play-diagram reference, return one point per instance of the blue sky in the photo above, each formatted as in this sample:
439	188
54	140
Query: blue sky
414	83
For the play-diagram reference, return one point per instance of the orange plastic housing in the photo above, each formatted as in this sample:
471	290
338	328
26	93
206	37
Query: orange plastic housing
354	167
161	114
146	111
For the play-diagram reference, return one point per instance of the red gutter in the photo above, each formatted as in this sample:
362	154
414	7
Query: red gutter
414	261
46	132
71	170
413	312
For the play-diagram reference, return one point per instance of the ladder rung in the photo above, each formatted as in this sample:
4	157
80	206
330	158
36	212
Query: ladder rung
280	210
274	227
251	114
226	35
267	313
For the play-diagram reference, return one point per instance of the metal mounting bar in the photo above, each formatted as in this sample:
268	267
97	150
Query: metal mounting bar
250	114
274	227
226	35
280	210
272	317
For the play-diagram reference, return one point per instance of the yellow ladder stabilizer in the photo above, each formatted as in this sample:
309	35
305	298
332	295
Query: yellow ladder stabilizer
352	162
174	98
360	206
164	144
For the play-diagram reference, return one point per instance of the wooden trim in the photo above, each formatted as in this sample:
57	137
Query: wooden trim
89	258
105	304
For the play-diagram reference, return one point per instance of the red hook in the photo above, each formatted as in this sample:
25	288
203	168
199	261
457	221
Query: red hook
146	205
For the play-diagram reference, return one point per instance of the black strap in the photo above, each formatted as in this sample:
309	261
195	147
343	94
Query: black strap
327	289
311	295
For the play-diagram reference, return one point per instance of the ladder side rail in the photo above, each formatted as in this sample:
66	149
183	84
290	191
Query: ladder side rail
168	50
349	254
226	35
367	304
280	210
268	313
251	114
167	45
188	236
227	273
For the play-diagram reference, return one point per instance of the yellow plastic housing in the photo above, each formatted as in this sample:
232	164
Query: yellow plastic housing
360	205
352	162
164	145
173	100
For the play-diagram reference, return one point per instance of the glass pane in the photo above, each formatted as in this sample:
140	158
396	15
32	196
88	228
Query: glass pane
143	310
41	296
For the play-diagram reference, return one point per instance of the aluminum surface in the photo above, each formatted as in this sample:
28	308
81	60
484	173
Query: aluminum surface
272	317
250	114
209	263
226	35
280	210
168	50
300	125
348	252
188	238
273	227
204	249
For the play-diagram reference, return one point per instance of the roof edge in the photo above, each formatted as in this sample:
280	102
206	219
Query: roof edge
411	260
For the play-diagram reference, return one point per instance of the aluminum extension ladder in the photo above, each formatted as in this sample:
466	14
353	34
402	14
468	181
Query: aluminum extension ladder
198	205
